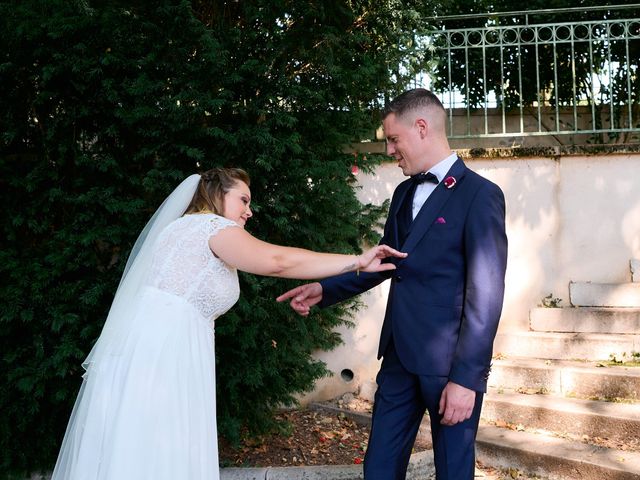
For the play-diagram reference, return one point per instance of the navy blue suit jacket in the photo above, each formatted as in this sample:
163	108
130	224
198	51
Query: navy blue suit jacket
446	297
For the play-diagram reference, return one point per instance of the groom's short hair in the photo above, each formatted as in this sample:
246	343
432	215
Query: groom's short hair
416	99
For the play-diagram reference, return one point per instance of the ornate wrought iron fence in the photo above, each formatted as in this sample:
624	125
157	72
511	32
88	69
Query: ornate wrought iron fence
519	75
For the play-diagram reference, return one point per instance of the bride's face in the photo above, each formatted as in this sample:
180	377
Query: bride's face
237	203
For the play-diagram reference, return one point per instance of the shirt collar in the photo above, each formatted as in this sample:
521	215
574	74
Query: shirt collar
441	168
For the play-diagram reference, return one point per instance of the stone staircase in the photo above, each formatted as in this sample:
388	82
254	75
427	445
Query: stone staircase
556	406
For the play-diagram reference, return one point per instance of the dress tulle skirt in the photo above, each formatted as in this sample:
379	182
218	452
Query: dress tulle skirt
148	411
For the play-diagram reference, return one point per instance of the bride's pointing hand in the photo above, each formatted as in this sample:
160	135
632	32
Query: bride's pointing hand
371	260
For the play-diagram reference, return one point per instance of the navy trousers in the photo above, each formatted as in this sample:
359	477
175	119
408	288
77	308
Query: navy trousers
400	403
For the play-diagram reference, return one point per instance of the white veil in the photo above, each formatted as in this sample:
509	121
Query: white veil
118	323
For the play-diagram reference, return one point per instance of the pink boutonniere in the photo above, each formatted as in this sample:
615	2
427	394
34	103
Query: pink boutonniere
440	220
449	182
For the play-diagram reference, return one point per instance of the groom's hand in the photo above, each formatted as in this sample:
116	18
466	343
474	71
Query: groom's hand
303	297
456	404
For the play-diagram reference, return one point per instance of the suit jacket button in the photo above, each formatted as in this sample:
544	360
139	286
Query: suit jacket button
398	278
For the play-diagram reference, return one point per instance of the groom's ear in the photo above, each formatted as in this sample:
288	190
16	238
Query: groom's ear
422	126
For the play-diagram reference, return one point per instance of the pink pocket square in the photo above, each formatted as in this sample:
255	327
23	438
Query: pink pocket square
440	220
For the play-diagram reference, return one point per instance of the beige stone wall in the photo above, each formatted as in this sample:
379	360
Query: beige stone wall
532	120
570	217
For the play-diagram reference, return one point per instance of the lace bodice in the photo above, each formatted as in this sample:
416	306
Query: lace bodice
184	265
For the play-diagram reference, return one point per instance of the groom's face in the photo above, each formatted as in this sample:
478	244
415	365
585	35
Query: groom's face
403	143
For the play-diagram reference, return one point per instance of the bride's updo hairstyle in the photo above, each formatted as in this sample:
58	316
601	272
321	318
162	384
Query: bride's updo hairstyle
213	185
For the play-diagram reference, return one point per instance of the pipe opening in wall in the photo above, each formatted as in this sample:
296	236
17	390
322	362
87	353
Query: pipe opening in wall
347	375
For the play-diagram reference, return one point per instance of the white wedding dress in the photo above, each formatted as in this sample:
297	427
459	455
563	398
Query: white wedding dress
147	410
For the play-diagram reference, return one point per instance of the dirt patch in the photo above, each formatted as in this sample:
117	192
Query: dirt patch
308	437
337	435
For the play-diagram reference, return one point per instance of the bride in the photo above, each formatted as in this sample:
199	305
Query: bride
146	408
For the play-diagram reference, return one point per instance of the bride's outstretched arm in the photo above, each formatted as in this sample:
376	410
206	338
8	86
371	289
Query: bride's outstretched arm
238	248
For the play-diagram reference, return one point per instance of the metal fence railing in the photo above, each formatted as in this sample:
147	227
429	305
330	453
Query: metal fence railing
529	74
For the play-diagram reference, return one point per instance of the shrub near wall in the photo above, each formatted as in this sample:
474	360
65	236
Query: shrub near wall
92	140
105	108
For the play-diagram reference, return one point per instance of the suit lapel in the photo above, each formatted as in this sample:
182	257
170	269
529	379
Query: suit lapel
395	207
433	206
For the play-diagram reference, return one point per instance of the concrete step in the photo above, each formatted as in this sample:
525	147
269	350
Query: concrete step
420	468
566	378
586	320
566	346
552	456
587	294
615	421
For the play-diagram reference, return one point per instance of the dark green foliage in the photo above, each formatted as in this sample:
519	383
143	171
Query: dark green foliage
105	107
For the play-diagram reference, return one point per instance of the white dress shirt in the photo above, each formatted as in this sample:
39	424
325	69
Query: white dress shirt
425	189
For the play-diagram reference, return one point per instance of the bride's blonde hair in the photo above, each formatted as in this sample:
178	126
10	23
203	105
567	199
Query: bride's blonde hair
213	185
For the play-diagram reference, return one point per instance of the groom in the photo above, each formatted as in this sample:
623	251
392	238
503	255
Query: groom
445	297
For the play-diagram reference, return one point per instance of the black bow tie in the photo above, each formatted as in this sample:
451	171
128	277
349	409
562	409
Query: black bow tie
424	177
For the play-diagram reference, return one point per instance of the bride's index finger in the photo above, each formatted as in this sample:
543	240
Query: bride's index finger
393	252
